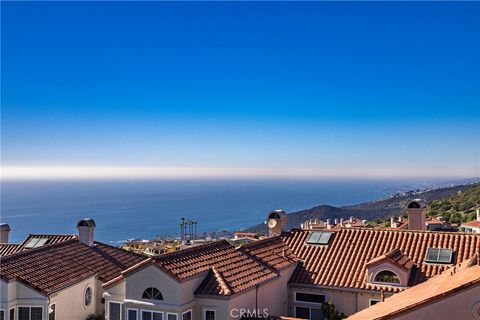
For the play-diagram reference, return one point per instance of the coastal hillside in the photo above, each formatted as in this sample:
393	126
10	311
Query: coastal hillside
443	201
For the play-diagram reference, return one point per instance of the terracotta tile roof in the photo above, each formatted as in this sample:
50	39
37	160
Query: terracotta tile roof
343	262
474	223
449	282
51	238
229	270
272	251
53	267
9	248
395	256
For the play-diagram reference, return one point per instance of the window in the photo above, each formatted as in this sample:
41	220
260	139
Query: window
309	297
152	294
210	315
172	316
187	315
2	314
12	314
152	315
373	302
308	313
30	313
439	255
87	299
132	314
114	311
51	312
36	242
386	276
319	237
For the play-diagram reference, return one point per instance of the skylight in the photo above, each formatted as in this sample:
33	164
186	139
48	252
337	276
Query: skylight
439	255
319	237
36	242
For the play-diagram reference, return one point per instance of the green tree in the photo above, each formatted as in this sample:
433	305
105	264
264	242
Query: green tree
330	312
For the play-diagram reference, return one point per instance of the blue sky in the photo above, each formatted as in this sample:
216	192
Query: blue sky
387	87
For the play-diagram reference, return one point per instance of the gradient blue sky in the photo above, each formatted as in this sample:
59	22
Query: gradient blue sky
245	85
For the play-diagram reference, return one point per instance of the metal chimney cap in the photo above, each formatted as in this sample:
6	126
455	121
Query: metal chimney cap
4	227
87	222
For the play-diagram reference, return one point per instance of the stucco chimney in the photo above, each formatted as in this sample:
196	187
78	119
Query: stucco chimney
335	221
4	231
351	218
341	222
85	231
276	222
478	214
392	221
416	214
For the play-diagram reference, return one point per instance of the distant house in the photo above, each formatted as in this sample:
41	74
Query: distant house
472	226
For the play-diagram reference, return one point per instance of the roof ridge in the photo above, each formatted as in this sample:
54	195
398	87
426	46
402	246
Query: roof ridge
226	288
189	250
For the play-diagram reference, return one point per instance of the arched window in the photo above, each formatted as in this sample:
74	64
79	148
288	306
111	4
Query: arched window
387	277
152	294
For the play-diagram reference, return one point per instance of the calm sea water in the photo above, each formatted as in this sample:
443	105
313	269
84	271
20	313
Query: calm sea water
145	209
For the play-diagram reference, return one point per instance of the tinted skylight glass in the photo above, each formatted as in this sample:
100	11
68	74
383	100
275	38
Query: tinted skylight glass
439	255
319	237
36	242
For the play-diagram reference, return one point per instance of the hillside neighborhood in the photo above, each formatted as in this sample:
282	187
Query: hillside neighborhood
324	270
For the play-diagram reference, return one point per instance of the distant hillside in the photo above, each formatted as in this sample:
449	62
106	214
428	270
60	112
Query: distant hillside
379	209
457	208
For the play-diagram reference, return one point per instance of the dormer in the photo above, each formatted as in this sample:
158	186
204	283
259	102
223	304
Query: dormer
390	269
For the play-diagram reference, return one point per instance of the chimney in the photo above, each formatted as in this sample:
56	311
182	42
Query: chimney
4	231
400	218
336	221
341	222
351	218
478	214
85	231
392	221
416	214
364	222
277	222
328	223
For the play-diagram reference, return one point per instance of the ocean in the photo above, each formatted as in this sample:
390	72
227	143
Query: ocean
145	209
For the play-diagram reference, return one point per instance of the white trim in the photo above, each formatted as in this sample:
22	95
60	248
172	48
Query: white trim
205	313
55	311
29	306
171	314
309	302
133	309
91	297
370	301
152	312
191	314
108	308
14	313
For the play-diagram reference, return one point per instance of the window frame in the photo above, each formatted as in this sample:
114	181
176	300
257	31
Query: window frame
4	313
54	311
438	256
191	314
85	305
17	313
209	309
10	313
132	309
309	302
108	308
156	299
171	314
306	307
399	283
151	312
